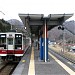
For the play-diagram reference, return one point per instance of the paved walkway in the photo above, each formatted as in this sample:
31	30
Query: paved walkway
31	65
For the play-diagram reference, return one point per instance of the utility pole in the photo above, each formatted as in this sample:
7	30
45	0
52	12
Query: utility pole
11	24
63	40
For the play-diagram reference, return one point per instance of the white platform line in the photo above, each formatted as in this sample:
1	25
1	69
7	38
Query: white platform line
71	72
31	65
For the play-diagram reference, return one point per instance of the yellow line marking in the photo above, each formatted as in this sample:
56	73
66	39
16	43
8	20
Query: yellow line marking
71	72
31	65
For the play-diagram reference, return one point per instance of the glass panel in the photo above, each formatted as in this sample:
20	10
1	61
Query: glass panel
10	41
18	39
2	40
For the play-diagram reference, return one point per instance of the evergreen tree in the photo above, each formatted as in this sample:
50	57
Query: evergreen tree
4	26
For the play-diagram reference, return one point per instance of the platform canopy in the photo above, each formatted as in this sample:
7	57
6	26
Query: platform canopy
34	22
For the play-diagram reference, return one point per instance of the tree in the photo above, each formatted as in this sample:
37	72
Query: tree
4	26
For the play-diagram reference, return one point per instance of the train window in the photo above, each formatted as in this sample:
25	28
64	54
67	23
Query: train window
2	40
18	39
10	41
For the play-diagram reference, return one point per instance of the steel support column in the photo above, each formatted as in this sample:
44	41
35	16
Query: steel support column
46	43
45	40
41	48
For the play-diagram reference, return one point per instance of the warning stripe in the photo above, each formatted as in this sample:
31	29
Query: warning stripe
31	65
71	72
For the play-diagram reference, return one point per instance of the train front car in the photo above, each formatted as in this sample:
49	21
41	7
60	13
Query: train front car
11	46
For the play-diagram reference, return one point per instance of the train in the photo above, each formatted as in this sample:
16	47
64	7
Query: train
13	46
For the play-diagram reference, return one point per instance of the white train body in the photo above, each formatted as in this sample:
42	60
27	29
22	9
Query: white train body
12	45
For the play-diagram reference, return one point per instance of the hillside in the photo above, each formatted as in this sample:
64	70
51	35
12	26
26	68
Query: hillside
56	34
16	25
4	26
15	22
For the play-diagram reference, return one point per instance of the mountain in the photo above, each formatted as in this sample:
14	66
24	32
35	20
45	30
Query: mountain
55	34
16	25
15	22
70	25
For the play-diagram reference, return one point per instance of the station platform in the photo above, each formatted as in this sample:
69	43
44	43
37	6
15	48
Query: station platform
31	64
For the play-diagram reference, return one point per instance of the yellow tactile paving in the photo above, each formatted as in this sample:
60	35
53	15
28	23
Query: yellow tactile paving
31	65
71	72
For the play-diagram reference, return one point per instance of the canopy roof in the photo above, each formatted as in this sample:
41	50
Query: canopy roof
34	22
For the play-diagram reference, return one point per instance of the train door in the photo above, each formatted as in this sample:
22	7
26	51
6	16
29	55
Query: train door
10	44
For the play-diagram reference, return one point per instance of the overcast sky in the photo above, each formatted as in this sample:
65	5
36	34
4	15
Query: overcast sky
11	8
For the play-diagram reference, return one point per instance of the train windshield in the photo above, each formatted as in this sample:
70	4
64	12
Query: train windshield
18	41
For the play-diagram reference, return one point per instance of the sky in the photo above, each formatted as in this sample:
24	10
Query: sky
11	8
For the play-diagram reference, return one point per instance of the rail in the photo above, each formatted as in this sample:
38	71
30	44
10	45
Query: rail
7	69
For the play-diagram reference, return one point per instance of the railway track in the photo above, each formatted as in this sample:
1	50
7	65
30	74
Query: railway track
8	68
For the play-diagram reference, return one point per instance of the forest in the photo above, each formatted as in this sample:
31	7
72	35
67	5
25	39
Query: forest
4	26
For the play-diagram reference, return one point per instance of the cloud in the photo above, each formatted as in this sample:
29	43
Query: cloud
13	7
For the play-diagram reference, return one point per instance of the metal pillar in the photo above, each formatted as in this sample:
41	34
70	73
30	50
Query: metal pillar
41	48
45	42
